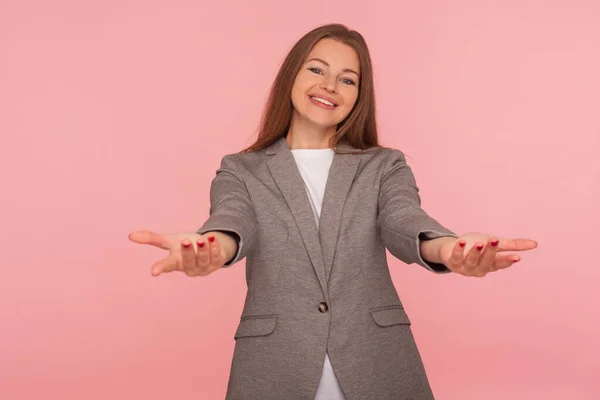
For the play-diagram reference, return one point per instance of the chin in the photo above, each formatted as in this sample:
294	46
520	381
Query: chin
317	119
322	121
323	124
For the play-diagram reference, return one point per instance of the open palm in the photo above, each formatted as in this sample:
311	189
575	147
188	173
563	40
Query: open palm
191	253
476	254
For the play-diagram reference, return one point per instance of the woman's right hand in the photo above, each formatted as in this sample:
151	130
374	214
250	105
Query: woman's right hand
190	253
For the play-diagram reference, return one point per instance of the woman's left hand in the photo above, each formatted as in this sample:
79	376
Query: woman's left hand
476	254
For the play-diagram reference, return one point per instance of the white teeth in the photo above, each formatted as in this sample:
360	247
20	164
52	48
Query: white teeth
320	100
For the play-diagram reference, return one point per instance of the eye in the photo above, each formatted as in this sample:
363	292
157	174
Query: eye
348	81
316	70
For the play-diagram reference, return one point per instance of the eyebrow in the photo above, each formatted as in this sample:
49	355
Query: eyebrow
327	64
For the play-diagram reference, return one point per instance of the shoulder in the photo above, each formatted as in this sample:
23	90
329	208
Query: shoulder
384	158
390	153
240	162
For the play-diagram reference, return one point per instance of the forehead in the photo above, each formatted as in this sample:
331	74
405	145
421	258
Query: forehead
338	55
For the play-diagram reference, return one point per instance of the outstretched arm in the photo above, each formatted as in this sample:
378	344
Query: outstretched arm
414	237
405	226
231	211
224	239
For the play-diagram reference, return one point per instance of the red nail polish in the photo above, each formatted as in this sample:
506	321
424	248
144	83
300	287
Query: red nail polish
517	260
495	243
200	244
211	239
186	244
479	246
462	244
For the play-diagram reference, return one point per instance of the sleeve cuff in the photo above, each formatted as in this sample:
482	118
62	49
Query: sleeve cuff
429	235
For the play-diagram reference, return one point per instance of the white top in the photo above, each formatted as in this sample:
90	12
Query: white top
314	167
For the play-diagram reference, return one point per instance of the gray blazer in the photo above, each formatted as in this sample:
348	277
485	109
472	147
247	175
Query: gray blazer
312	291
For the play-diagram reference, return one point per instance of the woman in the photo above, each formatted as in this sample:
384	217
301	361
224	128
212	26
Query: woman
312	206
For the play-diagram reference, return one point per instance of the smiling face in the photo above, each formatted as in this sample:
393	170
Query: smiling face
326	86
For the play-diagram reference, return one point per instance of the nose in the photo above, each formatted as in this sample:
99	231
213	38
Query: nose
329	85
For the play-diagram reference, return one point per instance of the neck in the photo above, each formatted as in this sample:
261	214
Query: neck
305	135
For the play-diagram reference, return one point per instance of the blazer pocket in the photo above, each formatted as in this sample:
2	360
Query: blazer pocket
256	326
391	315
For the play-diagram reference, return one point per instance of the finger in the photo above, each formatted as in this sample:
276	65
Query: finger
149	237
167	264
486	260
456	258
505	261
202	255
516	244
472	257
215	252
188	256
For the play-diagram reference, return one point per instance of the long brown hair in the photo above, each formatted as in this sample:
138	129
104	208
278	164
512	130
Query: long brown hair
359	128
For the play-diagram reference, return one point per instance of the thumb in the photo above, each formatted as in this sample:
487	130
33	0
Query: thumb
167	264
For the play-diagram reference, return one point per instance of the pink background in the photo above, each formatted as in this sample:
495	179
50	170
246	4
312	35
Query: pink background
114	117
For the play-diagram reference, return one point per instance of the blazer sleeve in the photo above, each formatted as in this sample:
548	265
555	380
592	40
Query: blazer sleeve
231	210
404	224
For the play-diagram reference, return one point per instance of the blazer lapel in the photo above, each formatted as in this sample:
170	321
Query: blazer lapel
286	175
341	175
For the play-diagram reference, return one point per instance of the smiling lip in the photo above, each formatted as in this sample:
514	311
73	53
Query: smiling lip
318	103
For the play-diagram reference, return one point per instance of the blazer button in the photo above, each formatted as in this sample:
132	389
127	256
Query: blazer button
323	307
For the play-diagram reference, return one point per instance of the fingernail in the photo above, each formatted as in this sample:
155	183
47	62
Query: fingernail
479	246
211	239
517	260
462	244
186	244
495	243
200	243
